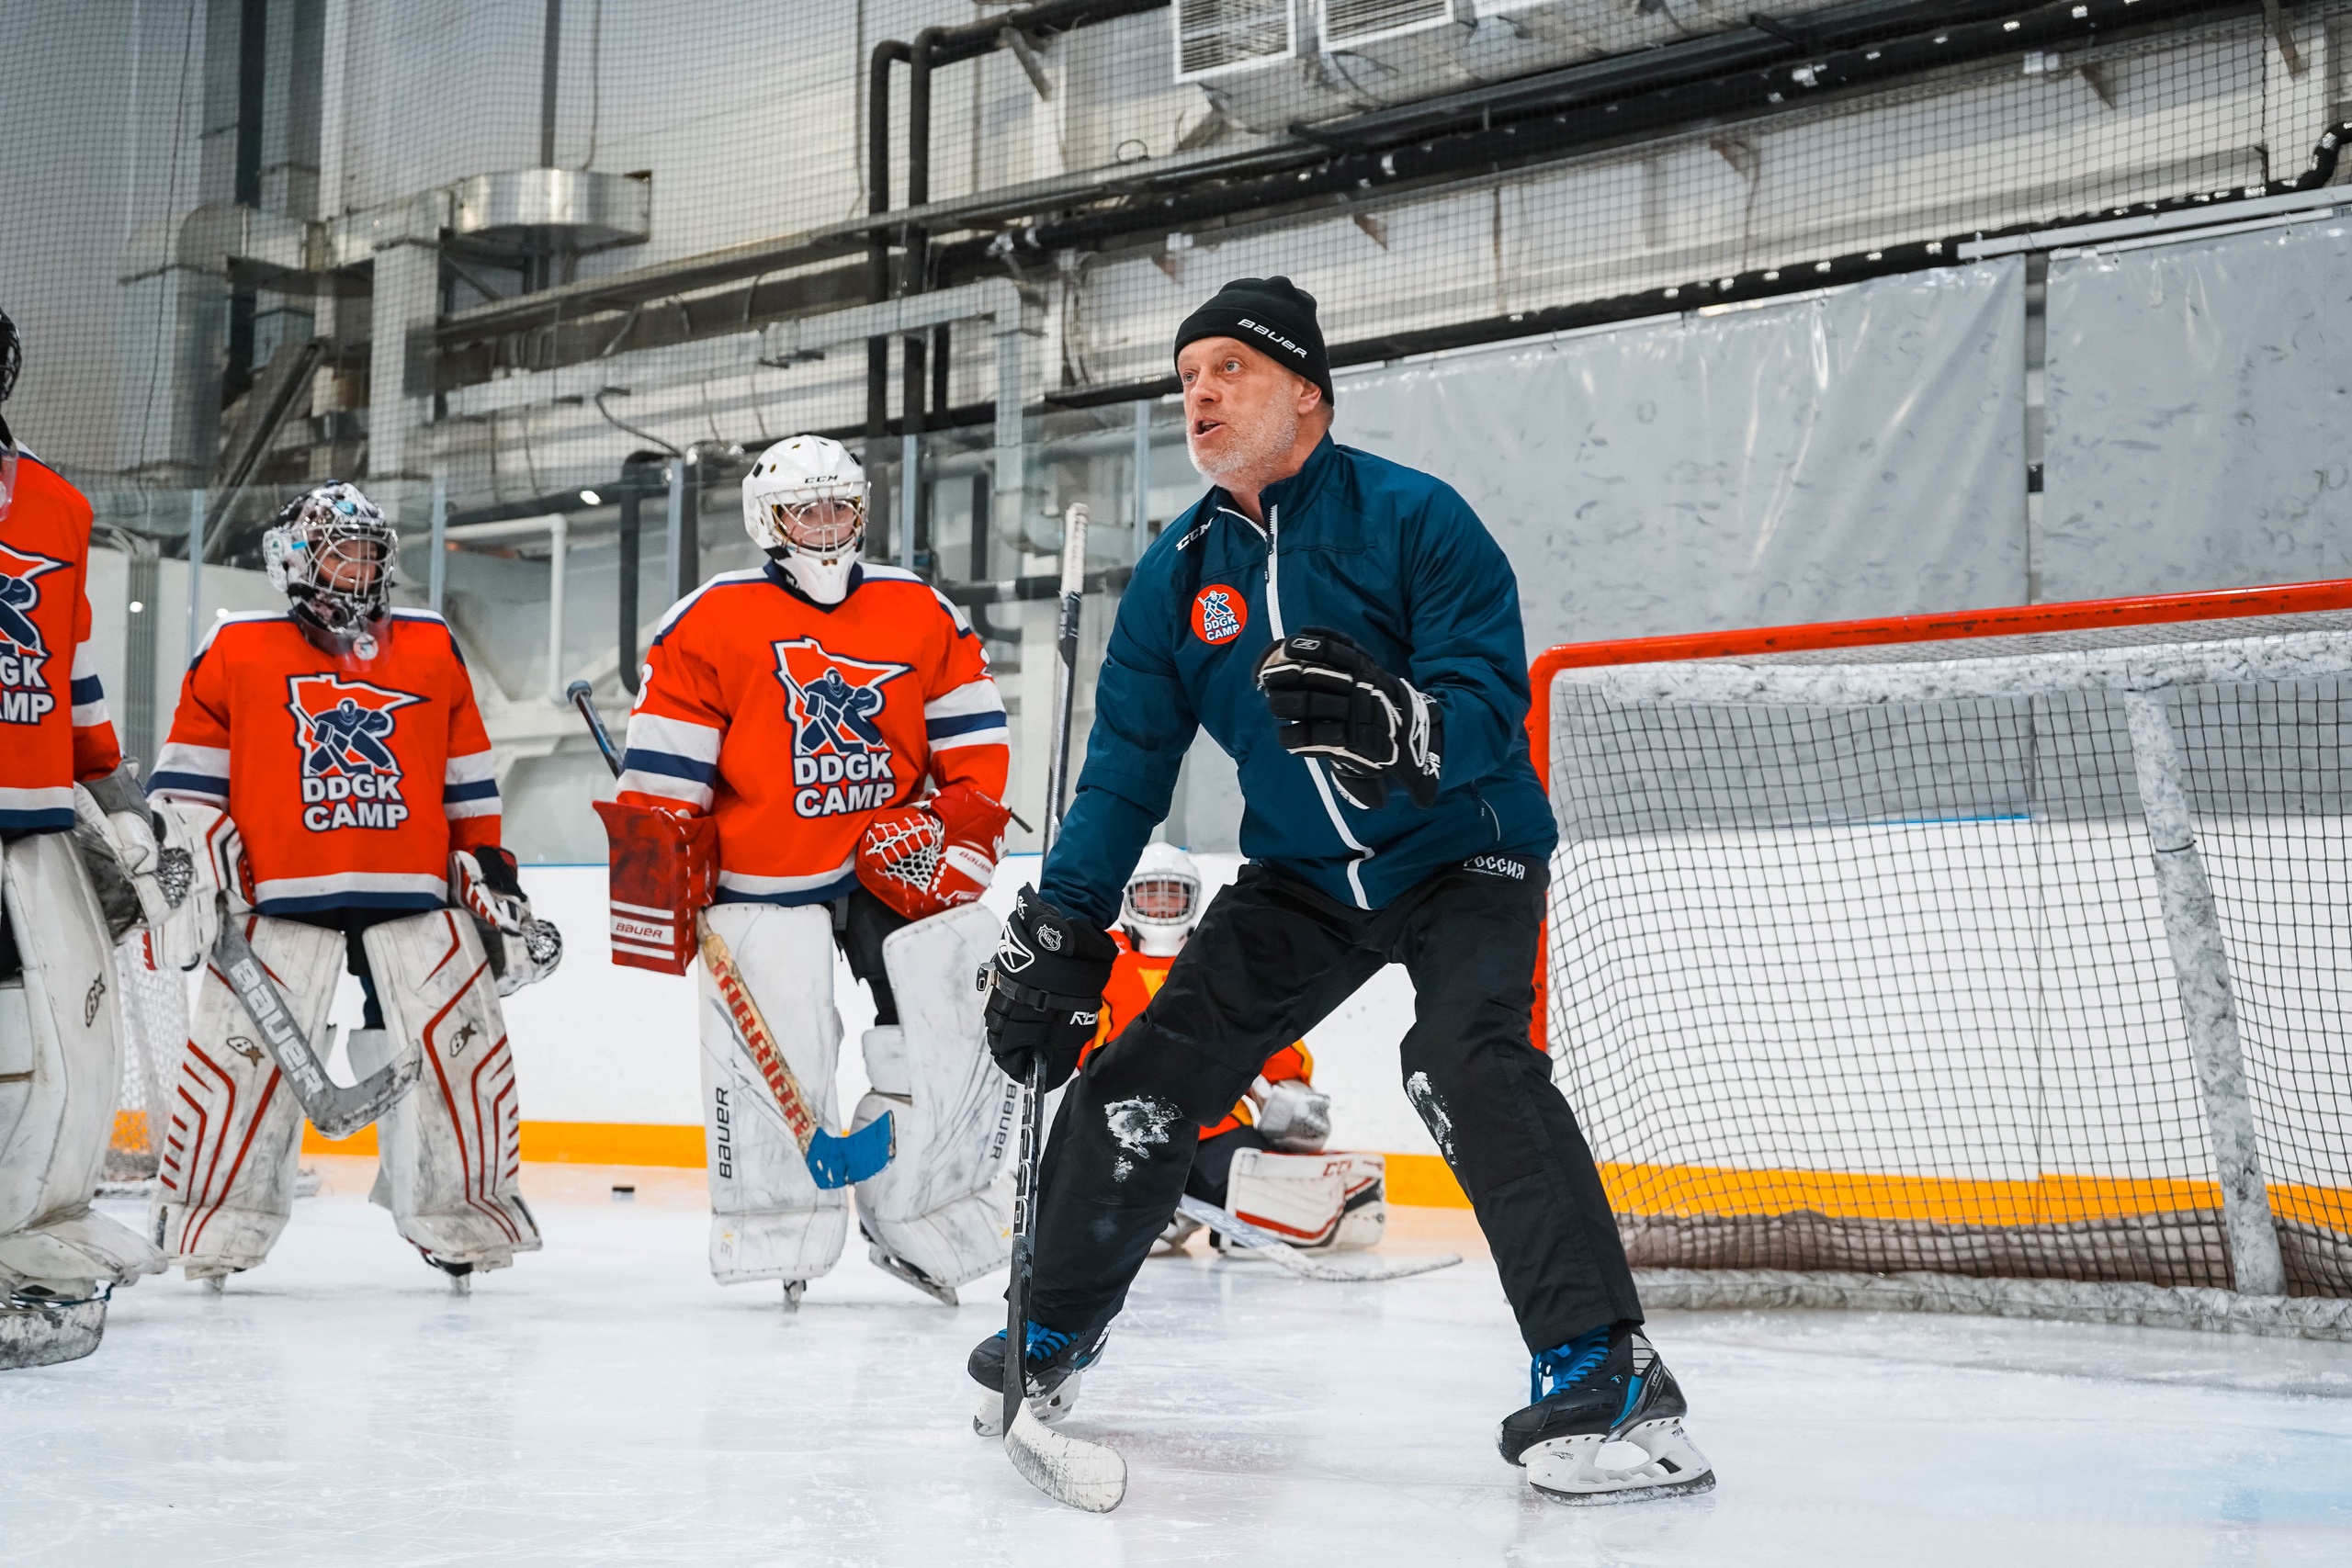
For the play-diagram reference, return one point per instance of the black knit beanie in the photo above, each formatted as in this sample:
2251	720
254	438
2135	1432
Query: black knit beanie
1273	315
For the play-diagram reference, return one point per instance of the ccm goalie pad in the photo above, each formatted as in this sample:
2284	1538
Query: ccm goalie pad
935	1216
1334	1202
769	1220
60	1071
451	1149
664	868
225	1180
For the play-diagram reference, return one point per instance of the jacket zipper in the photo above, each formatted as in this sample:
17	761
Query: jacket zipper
1273	532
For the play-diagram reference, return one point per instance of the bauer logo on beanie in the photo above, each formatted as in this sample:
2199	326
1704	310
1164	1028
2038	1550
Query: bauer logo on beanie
1273	315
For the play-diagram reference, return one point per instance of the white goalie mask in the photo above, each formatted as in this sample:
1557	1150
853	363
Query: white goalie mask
331	552
1162	900
804	503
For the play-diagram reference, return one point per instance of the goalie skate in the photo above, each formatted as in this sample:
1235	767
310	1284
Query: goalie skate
38	1329
1617	1391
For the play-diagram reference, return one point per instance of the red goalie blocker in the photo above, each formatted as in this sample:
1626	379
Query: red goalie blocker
665	870
923	859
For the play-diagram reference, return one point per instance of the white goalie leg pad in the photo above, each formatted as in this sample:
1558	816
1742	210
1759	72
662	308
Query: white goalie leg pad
450	1150
224	1181
60	1078
60	1071
1329	1200
938	1205
769	1220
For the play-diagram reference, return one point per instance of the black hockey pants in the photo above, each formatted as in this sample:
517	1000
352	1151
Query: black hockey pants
1271	958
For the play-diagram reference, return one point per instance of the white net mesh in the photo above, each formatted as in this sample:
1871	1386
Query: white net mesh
1884	984
154	1023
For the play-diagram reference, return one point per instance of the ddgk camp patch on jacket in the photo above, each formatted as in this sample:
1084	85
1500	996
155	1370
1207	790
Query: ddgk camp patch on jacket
344	729
25	693
840	761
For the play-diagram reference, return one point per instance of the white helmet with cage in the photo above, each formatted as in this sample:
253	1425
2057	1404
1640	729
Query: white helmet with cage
1162	900
331	552
804	503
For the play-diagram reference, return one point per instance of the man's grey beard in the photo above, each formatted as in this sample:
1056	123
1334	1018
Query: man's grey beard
1257	453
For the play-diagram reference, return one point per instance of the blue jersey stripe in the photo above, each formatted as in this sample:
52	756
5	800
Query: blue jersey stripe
201	783
669	764
963	723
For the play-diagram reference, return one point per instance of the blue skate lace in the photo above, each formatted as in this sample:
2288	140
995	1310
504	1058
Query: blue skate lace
1044	1344
1562	1366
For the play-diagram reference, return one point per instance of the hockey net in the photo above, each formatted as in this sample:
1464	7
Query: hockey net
1877	970
154	1026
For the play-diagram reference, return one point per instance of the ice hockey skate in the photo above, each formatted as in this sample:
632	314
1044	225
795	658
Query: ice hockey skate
1608	1387
1054	1366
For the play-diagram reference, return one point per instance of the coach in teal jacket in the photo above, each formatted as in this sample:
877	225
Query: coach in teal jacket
1349	632
1388	557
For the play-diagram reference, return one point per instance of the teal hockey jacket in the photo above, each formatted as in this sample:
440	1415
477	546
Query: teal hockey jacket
1385	554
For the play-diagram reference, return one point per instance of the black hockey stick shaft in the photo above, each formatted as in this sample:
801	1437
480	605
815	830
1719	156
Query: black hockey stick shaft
579	691
1024	1200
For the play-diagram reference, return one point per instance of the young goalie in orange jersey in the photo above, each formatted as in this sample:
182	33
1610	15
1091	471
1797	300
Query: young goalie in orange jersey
1264	1160
836	719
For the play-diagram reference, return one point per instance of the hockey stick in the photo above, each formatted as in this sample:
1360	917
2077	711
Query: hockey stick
1342	1270
1068	1469
335	1111
834	1159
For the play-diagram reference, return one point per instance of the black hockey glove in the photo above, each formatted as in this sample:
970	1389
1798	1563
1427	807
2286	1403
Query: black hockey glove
1335	702
1046	990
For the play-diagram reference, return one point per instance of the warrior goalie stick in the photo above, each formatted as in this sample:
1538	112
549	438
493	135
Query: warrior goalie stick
833	1159
1344	1270
334	1111
1068	1469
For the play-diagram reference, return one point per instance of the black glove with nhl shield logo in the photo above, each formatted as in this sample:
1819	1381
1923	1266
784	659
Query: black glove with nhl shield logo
1335	702
1046	990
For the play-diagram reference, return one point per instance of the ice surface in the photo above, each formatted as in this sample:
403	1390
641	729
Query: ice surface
603	1402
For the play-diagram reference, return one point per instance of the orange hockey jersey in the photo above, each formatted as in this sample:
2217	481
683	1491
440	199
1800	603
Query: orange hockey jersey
350	780
1134	979
54	725
793	722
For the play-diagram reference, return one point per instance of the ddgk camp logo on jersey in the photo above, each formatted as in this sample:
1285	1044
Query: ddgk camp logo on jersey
1218	615
26	695
344	729
840	761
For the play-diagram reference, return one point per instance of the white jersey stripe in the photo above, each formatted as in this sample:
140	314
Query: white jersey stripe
678	736
349	882
669	787
737	882
973	696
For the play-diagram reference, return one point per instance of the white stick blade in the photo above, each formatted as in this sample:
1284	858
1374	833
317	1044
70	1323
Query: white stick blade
1068	1469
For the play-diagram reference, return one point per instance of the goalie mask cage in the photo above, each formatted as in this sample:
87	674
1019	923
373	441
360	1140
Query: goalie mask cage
1985	962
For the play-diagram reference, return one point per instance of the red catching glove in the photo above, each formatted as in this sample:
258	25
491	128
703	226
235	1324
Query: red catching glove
923	859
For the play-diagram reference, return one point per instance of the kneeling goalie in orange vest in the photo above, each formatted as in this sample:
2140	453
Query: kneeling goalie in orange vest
1265	1161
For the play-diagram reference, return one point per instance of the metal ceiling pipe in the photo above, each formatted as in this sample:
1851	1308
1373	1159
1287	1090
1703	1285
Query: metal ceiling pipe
932	48
914	239
877	241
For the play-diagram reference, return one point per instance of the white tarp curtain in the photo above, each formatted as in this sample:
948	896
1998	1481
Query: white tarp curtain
1856	454
2199	417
